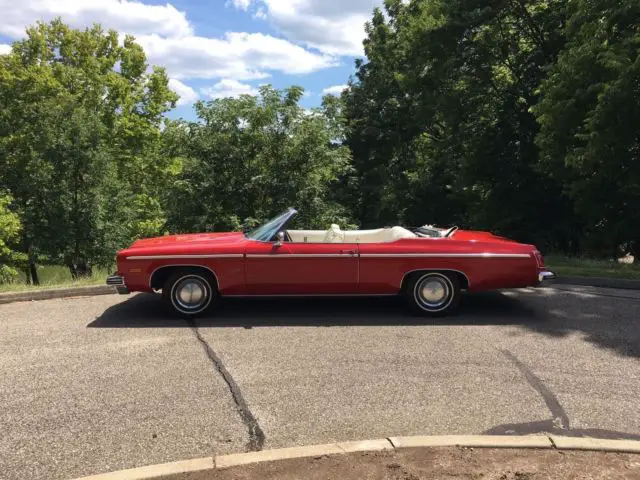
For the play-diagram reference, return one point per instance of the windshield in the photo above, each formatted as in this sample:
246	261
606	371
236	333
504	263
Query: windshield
266	232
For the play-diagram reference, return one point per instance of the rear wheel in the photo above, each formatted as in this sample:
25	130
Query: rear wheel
189	291
433	293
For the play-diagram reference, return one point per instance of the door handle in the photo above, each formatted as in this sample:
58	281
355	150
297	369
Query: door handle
348	252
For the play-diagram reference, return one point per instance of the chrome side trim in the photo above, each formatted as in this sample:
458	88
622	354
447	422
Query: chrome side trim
183	265
446	255
179	257
427	270
301	255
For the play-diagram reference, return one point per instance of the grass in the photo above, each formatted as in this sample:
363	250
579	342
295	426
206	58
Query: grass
588	267
55	276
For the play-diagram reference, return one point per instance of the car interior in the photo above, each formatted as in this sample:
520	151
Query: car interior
336	235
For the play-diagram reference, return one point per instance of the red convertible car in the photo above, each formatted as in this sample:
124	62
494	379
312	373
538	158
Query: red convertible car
429	266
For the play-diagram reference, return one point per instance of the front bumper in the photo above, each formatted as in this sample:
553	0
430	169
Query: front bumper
545	278
118	282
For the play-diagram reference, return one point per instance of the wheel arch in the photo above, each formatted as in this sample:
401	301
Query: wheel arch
462	277
160	274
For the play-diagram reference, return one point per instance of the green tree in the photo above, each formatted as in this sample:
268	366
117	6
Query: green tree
248	158
80	118
9	234
439	116
589	113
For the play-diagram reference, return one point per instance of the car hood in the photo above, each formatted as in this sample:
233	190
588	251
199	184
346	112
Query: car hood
187	238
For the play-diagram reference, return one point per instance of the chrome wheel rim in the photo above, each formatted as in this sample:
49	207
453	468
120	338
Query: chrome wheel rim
191	293
434	292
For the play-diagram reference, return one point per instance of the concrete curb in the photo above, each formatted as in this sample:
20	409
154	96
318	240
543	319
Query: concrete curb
480	441
583	443
29	295
391	443
155	471
602	282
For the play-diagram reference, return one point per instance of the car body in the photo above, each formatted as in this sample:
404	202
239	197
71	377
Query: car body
430	266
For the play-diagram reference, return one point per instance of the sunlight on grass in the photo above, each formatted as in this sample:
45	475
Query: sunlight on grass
588	267
56	276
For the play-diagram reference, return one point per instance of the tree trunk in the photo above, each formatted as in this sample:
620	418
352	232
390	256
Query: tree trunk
80	269
34	272
83	269
72	270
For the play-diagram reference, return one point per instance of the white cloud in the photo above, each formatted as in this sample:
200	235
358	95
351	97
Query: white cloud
260	14
4	48
244	56
123	15
187	94
169	40
228	87
335	89
335	27
240	4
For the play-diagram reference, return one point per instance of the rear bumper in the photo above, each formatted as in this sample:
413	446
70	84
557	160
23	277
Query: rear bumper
118	282
545	278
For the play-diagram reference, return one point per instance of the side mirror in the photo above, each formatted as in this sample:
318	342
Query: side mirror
279	239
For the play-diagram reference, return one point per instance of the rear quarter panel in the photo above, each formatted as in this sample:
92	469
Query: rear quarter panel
486	265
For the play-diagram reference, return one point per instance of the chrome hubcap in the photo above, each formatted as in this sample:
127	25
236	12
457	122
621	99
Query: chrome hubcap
191	293
433	292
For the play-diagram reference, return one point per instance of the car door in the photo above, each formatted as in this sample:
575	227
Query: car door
301	268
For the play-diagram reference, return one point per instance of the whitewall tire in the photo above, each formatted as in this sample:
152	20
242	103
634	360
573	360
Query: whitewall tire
189	292
433	293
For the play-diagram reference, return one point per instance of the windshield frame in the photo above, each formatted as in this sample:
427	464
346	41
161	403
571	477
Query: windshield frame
268	230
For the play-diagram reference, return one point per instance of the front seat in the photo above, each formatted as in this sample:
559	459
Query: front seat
334	235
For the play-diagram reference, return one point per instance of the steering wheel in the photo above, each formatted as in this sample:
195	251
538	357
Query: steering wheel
449	232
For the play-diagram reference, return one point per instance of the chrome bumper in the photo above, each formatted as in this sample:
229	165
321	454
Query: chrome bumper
118	282
545	278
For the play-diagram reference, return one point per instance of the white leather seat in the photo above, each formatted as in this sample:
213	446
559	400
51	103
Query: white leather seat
335	235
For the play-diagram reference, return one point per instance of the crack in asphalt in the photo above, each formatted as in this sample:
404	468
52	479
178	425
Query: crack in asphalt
256	435
560	417
559	424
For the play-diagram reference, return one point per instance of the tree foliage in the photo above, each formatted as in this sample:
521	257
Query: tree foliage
80	120
589	113
9	233
249	158
515	116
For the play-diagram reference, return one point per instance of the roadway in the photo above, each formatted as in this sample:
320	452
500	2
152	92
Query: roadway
90	385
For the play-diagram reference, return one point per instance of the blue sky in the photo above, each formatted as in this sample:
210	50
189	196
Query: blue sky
215	48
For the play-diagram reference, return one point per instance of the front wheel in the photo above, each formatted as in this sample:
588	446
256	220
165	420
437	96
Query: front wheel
433	293
189	292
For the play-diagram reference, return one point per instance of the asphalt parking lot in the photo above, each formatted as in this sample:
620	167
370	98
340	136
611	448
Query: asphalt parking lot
95	384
